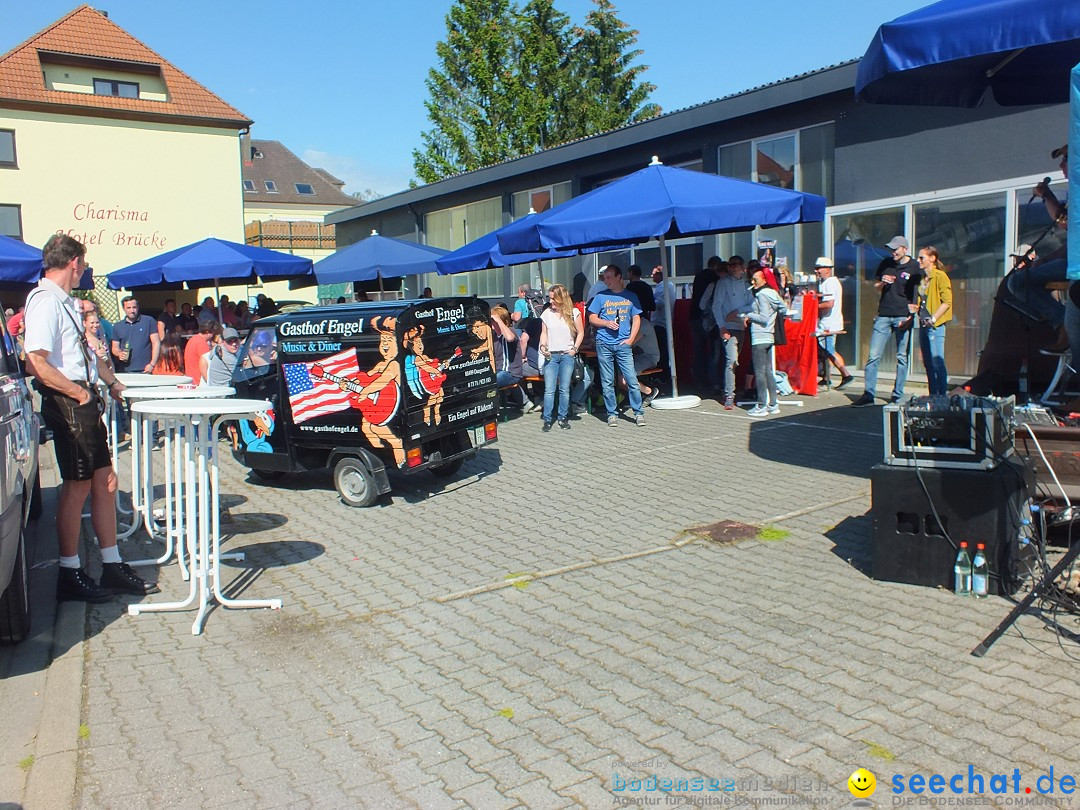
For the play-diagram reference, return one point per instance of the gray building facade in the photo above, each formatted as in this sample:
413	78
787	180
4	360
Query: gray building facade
957	179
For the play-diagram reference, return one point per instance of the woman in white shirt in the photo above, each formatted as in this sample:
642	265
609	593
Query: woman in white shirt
560	339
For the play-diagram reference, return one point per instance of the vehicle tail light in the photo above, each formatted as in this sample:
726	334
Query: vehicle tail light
491	431
414	458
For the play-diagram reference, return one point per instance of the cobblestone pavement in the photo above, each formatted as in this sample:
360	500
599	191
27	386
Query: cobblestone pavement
543	631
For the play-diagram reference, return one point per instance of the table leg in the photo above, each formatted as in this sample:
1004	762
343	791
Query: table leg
185	525
215	537
136	479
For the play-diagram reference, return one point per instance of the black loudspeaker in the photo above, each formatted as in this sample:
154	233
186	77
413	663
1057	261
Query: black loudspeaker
980	506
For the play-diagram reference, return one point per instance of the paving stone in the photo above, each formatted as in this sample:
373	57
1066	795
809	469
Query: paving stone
757	659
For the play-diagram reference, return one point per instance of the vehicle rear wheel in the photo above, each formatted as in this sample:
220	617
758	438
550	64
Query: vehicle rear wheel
448	469
15	601
355	483
268	475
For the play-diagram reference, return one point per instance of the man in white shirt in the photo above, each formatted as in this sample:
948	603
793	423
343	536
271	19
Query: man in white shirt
830	320
67	373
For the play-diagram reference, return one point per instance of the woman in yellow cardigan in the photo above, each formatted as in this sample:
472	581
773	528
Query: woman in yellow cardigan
934	308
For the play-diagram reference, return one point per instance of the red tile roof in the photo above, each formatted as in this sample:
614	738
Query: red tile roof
86	32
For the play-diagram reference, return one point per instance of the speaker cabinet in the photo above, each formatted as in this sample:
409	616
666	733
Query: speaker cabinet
980	506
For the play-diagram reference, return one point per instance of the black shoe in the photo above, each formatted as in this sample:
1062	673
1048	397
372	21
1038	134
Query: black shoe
119	578
546	427
646	400
863	401
894	399
564	424
75	585
845	380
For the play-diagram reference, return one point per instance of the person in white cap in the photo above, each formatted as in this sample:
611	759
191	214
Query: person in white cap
898	279
830	319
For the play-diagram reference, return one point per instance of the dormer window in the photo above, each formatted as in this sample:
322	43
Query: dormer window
249	185
119	89
304	188
271	186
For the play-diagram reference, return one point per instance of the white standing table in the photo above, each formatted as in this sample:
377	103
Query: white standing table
142	467
112	426
198	518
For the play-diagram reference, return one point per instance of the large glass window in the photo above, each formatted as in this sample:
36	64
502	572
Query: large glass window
7	147
453	227
858	249
11	221
802	160
1033	222
774	162
969	235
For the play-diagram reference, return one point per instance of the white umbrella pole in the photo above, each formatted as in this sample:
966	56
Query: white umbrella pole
382	292
676	402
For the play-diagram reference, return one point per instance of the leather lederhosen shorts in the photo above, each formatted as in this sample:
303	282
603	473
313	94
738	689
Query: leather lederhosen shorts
78	431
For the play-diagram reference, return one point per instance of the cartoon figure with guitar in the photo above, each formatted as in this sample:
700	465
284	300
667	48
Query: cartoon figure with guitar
426	375
376	393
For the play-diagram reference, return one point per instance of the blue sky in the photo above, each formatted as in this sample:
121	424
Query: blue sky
341	82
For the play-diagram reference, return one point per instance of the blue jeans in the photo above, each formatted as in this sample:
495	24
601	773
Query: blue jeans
607	355
900	329
1029	286
558	370
579	390
932	343
726	350
505	378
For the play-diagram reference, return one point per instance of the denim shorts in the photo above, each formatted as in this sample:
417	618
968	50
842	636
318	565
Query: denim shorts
78	431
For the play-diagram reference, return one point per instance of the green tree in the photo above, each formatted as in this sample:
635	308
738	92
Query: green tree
543	72
513	81
471	99
611	92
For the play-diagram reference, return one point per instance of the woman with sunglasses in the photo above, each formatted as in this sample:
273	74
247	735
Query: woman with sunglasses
933	307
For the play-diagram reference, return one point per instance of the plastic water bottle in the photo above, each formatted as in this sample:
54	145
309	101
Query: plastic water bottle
1022	382
980	575
962	572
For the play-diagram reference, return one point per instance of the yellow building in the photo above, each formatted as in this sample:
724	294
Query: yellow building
103	139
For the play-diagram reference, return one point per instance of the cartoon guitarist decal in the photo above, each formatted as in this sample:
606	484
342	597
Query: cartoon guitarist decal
426	375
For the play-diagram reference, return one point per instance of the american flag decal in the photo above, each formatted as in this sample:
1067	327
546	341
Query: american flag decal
311	395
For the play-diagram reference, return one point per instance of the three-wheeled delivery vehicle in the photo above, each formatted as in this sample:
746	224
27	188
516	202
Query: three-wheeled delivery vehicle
408	385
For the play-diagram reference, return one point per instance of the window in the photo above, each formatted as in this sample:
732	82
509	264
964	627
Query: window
249	185
453	227
11	221
271	186
7	148
859	249
304	188
802	160
111	87
969	235
258	357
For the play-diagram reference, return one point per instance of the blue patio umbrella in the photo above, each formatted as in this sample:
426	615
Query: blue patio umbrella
209	261
378	257
19	262
484	254
660	202
954	52
21	266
